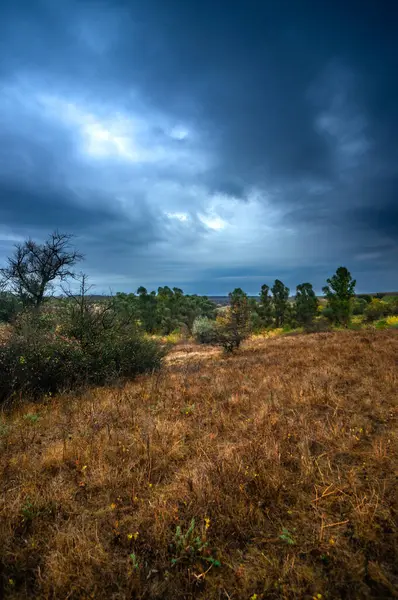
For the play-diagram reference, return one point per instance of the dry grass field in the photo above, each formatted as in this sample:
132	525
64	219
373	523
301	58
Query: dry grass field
267	474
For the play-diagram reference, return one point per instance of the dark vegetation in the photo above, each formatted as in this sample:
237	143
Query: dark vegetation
58	344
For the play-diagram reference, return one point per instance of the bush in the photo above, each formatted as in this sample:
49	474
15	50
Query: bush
359	306
366	297
328	314
230	332
35	362
10	306
375	310
318	325
392	321
43	367
392	305
122	357
204	330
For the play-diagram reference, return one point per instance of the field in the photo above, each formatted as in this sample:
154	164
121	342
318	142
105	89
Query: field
270	473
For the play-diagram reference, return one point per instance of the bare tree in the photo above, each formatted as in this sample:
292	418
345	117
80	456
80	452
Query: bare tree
34	267
88	320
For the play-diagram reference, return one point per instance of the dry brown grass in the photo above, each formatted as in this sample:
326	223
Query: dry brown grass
284	454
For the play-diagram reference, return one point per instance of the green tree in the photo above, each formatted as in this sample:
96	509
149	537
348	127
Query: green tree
147	308
265	308
127	308
339	293
195	307
306	304
234	325
167	308
240	314
280	296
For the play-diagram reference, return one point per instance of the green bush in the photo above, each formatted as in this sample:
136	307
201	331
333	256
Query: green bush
392	305
35	362
328	314
124	357
43	367
359	306
375	310
204	330
318	325
10	306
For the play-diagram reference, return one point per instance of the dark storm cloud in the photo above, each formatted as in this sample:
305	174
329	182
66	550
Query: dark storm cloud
295	102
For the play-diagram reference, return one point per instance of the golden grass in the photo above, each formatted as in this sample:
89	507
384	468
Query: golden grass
285	455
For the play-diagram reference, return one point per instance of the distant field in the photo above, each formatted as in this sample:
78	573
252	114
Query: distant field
267	474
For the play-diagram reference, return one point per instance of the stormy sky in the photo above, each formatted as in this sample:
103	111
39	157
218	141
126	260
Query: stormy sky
200	144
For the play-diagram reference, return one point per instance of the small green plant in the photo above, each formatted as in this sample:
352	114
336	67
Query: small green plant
134	561
187	543
28	511
192	545
287	537
188	410
4	429
31	418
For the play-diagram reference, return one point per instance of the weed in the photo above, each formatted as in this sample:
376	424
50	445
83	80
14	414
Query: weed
32	418
192	545
28	511
134	561
287	537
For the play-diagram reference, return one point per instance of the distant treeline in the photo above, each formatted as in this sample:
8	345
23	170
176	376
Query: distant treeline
59	344
31	271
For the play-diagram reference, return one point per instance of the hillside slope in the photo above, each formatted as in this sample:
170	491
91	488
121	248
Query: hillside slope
267	474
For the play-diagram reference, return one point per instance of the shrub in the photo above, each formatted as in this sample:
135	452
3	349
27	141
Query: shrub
233	325
30	323
392	304
366	297
318	325
231	329
376	310
204	330
35	362
43	367
10	306
123	357
359	306
356	323
392	321
328	314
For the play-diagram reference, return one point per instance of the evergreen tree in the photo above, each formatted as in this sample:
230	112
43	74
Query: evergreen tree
234	326
306	304
280	297
339	292
265	308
